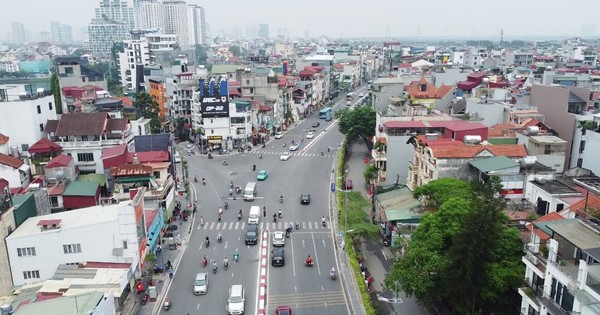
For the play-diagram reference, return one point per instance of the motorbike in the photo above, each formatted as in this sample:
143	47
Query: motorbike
308	263
145	298
224	162
204	262
235	257
167	304
297	226
332	275
226	205
219	238
214	269
158	269
239	216
203	182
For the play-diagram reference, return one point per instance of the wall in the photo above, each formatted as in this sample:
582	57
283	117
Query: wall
76	202
488	114
381	94
20	121
450	76
552	102
12	175
398	155
95	166
7	224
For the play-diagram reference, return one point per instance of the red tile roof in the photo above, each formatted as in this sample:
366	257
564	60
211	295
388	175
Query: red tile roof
405	65
44	145
49	222
149	156
114	151
592	202
61	160
465	151
74	124
552	216
10	161
3	139
414	89
502	130
56	190
127	102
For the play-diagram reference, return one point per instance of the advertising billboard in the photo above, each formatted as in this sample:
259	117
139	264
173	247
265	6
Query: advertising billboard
214	99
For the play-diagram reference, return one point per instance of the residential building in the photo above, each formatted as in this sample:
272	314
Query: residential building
197	25
135	55
19	35
547	148
60	168
423	95
382	90
113	233
263	31
560	105
85	135
9	66
23	114
518	58
331	88
151	15
158	42
562	267
157	92
177	20
61	33
72	72
440	157
104	33
15	171
116	10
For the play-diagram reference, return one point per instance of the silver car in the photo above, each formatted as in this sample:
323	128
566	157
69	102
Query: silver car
236	300
201	284
278	238
294	147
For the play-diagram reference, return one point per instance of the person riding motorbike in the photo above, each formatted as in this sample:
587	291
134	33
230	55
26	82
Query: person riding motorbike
260	156
275	217
204	261
230	192
220	210
214	266
220	217
219	237
195	179
203	181
167	304
225	262
332	272
281	199
226	205
224	162
201	221
284	144
297	225
254	167
279	213
235	255
323	221
207	241
309	261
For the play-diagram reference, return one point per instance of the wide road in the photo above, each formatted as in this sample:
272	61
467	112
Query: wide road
306	290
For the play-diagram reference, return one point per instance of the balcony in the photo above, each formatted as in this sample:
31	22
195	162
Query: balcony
534	259
379	155
91	144
531	296
381	174
553	307
412	168
569	267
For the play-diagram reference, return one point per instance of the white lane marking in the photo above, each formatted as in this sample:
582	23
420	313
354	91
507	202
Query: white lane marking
316	254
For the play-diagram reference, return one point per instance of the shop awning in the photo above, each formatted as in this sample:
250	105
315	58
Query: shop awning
213	141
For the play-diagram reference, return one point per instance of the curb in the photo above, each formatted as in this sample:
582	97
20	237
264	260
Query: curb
262	295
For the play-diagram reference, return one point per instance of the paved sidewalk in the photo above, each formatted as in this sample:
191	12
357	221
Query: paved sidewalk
378	258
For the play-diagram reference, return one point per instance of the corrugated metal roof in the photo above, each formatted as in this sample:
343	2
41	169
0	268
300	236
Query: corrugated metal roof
493	164
79	188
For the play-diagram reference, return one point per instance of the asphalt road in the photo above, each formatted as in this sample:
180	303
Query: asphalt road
306	290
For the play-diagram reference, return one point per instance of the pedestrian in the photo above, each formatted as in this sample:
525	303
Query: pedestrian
264	211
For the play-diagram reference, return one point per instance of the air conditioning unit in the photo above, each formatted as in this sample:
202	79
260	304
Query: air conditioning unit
534	248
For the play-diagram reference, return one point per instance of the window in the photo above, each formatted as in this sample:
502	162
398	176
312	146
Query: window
33	274
72	248
580	162
581	146
26	251
124	244
39	109
50	105
41	127
247	81
85	157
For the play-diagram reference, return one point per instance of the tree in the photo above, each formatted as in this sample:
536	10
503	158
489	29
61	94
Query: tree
464	253
55	88
236	50
357	123
201	55
438	191
182	133
148	108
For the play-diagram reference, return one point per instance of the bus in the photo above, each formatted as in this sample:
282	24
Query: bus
323	113
350	96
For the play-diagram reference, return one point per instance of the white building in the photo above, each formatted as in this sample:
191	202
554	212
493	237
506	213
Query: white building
197	25
23	114
104	33
109	233
177	20
223	132
116	10
151	15
14	171
9	66
135	53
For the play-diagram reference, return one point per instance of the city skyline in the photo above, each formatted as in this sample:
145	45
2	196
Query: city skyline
349	18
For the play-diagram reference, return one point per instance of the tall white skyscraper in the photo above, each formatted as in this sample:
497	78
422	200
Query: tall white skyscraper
19	35
177	20
116	10
61	33
197	25
151	15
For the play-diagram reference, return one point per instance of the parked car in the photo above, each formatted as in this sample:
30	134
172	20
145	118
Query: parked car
278	135
348	184
278	257
305	199
285	156
262	175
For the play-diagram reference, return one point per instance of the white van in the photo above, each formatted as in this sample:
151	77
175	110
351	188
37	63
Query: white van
254	215
250	191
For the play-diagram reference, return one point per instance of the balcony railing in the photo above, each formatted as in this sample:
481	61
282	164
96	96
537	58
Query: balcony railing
99	143
533	255
568	267
553	307
593	281
379	155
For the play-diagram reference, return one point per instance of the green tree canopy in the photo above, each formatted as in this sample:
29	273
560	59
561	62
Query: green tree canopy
201	55
148	108
236	50
357	123
55	88
438	191
464	253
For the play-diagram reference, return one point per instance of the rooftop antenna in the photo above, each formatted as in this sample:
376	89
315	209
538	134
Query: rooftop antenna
501	37
387	32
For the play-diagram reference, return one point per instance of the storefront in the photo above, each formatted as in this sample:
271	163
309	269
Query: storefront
214	142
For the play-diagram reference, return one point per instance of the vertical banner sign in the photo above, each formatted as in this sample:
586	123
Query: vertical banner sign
214	100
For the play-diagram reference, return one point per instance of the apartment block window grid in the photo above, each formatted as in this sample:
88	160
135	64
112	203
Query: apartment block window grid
72	248
85	157
26	251
31	274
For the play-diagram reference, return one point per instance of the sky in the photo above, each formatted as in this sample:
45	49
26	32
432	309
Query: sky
349	18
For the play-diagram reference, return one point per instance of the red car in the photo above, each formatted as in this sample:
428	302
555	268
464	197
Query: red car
348	184
283	310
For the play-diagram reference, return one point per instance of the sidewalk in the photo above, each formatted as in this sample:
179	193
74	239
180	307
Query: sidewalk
378	258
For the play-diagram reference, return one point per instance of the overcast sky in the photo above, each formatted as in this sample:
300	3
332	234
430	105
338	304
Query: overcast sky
349	18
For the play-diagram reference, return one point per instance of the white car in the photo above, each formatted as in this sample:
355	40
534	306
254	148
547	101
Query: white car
361	95
278	238
285	156
294	147
278	135
177	158
310	135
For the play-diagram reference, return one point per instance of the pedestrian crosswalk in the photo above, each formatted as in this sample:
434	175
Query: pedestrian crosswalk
241	225
295	153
